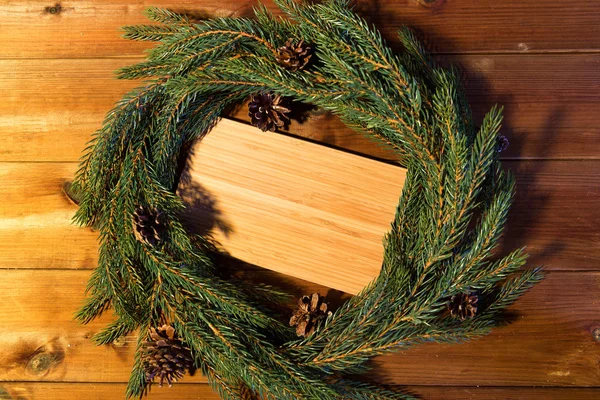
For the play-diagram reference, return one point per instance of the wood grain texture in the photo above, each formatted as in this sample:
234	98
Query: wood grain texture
100	391
53	106
548	342
35	219
103	391
92	28
41	341
555	215
292	206
531	350
539	59
504	393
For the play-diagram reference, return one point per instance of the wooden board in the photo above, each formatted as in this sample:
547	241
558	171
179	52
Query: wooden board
35	219
41	341
549	341
292	206
524	353
53	106
504	393
103	391
555	215
92	28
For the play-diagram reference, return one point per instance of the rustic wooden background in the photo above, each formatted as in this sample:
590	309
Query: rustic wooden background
540	59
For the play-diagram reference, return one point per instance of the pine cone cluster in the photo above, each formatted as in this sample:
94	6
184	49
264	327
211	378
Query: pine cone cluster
266	111
165	357
308	314
147	226
294	56
463	305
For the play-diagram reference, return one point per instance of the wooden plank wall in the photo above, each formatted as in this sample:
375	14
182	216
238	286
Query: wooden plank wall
540	59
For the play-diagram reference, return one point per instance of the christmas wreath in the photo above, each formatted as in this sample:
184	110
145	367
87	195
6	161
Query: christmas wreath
440	279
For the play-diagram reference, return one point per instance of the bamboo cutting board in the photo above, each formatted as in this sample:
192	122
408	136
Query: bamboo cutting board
292	206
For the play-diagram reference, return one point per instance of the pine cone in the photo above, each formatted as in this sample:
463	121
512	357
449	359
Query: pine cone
165	356
502	143
294	57
463	305
266	111
309	313
147	226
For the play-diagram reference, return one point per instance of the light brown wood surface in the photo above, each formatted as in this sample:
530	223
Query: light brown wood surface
104	391
553	197
53	106
36	231
292	206
549	341
539	59
91	28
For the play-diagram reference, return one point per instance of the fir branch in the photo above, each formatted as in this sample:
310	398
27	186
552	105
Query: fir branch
165	16
151	33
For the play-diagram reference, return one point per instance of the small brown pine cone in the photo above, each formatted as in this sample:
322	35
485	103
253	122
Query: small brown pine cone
502	143
147	226
310	312
165	357
294	56
266	111
463	305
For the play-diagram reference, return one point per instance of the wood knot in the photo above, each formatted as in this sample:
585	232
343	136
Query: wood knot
45	358
54	10
40	363
4	395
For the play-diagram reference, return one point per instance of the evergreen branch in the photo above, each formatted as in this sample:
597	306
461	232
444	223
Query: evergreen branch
514	288
165	16
93	308
150	33
114	331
